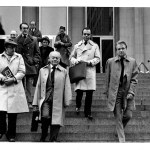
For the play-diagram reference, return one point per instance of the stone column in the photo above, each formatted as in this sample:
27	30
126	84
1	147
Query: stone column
132	31
138	51
147	36
127	28
76	23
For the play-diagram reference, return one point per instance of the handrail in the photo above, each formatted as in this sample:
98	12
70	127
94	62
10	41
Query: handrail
139	67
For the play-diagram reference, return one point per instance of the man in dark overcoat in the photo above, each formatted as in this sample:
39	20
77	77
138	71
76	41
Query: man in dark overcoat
29	49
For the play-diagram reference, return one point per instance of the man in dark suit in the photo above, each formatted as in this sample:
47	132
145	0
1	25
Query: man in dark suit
28	47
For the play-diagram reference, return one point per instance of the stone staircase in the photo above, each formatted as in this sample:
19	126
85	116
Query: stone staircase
102	128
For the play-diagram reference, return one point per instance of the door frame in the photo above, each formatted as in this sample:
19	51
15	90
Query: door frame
108	37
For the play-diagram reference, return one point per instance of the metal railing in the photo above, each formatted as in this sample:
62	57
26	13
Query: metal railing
143	64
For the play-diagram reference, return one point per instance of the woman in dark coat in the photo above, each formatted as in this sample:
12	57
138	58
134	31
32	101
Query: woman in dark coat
45	49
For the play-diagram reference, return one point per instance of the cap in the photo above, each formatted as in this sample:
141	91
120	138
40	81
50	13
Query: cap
10	42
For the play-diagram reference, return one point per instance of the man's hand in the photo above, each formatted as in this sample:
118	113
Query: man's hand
130	96
61	43
35	108
9	81
2	78
87	62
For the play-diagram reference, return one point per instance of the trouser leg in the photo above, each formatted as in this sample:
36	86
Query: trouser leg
79	98
118	116
29	89
45	119
88	102
45	124
3	124
127	115
12	120
54	131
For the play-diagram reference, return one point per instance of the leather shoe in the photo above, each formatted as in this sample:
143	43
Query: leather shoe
42	140
77	111
89	117
1	135
11	140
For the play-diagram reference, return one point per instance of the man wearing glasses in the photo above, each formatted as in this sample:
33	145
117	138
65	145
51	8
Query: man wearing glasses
29	49
86	51
121	80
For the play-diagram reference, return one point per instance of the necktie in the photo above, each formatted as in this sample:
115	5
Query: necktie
122	70
85	42
52	75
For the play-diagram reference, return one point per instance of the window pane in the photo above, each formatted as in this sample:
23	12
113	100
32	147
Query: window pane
100	20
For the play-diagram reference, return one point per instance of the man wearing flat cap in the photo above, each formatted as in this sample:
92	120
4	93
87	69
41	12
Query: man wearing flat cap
63	46
121	81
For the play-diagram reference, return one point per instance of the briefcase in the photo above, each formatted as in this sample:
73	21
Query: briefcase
34	122
77	72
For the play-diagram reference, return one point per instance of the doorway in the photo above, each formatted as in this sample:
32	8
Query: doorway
105	44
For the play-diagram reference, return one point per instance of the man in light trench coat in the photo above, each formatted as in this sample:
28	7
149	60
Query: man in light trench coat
121	80
52	95
86	51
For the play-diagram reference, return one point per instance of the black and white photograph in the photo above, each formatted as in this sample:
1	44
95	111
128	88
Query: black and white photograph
78	73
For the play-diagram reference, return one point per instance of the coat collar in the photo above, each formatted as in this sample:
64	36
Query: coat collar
28	39
89	42
86	47
58	67
117	58
12	58
34	31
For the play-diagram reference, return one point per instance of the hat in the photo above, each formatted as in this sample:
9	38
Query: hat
62	27
45	38
10	42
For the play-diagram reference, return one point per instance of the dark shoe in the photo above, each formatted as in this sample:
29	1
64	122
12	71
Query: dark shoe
89	117
116	135
11	140
77	111
42	140
1	135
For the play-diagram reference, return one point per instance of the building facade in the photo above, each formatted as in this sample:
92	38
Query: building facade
108	25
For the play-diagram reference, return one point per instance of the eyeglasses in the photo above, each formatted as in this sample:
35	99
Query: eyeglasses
122	48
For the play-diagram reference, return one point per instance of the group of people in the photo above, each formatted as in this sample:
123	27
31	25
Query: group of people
23	60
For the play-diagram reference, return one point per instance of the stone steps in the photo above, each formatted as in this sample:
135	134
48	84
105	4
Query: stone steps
102	128
84	137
